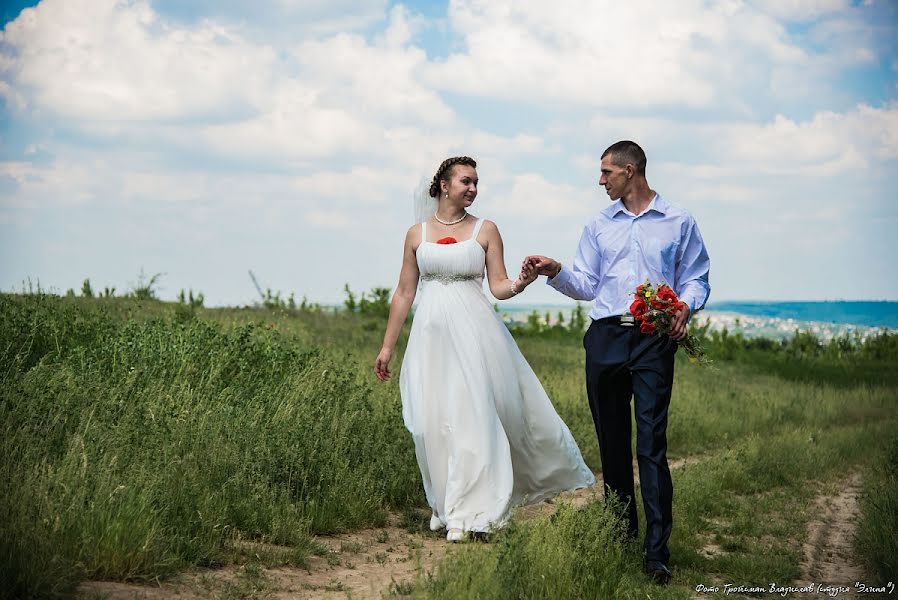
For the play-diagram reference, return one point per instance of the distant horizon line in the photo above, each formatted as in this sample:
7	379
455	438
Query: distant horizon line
562	303
766	301
520	305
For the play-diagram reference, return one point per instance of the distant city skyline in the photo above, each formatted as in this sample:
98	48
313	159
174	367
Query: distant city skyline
204	139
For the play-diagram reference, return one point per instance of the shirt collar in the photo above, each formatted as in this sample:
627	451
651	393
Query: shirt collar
658	204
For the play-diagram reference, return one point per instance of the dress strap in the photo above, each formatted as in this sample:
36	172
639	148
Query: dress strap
423	231
477	229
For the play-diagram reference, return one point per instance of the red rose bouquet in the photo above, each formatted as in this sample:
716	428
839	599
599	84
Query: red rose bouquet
654	308
447	240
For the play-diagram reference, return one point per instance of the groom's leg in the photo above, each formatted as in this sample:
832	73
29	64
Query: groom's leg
609	389
652	370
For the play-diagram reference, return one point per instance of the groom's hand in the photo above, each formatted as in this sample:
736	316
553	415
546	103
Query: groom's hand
544	265
528	274
678	323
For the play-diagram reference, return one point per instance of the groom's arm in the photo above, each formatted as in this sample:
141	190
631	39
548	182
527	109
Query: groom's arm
581	281
693	268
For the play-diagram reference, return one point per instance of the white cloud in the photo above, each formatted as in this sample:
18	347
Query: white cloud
278	21
331	219
119	62
827	144
801	10
12	97
378	81
124	74
849	40
534	198
571	53
165	129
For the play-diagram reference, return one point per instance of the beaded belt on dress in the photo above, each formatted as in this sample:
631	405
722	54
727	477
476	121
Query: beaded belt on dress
450	277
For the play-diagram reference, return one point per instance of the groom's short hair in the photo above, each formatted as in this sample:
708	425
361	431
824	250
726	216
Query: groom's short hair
625	153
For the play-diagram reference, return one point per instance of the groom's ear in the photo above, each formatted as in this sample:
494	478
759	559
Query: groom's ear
631	170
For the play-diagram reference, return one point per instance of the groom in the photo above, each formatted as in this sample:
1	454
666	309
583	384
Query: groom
640	237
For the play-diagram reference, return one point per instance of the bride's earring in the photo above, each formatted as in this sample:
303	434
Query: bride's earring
447	195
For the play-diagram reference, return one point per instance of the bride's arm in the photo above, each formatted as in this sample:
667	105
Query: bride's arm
501	286
401	303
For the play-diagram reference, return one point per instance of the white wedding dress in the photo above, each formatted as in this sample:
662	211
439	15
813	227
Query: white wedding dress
486	435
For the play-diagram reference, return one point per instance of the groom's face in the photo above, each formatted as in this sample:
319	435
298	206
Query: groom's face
614	179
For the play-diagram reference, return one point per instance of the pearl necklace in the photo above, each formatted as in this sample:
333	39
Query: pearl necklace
458	220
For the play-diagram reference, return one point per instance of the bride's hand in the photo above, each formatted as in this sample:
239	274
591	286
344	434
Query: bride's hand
528	274
382	364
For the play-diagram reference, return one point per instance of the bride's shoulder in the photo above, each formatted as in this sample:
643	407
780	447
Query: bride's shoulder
413	235
489	226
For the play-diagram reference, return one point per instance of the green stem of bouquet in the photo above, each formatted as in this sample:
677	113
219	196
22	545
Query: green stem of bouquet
694	350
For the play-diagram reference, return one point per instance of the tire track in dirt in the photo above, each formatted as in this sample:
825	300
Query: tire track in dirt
828	550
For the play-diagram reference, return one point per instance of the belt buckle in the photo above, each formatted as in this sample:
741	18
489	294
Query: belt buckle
627	320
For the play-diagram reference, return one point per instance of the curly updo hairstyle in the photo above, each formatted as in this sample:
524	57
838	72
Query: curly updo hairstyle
445	172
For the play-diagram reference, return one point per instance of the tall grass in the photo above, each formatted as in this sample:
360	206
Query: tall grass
141	437
576	554
877	534
719	535
771	424
133	448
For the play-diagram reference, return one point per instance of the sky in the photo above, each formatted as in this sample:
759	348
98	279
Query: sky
204	139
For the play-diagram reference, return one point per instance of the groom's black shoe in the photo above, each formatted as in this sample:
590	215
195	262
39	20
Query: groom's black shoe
658	571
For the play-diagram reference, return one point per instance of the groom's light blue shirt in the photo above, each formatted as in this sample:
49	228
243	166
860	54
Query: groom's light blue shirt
619	250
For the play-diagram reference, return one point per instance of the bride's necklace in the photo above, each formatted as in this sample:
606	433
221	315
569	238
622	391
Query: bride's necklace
458	220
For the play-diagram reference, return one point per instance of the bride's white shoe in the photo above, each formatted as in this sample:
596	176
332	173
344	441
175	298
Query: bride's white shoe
455	535
435	523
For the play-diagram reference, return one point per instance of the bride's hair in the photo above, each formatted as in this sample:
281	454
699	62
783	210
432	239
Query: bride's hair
446	169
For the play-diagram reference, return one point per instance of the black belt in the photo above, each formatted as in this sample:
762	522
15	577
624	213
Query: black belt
622	320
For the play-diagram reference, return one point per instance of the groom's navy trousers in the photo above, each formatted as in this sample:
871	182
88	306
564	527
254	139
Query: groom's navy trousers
622	363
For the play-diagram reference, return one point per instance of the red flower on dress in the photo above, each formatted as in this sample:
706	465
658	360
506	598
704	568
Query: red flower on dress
447	240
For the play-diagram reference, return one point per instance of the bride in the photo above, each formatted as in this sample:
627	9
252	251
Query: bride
486	435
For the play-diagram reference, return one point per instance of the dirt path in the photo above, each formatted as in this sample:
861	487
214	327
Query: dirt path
360	564
829	556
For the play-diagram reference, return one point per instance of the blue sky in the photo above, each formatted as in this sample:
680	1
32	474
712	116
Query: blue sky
203	139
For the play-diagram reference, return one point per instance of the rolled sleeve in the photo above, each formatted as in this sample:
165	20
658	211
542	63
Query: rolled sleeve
693	269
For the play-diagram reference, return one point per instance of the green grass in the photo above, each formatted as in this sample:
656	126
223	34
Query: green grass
136	447
140	438
877	536
739	516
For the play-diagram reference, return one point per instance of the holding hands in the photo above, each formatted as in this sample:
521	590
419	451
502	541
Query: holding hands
543	265
527	276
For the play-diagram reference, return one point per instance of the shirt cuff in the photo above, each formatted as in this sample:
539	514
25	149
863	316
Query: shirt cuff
560	280
690	302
